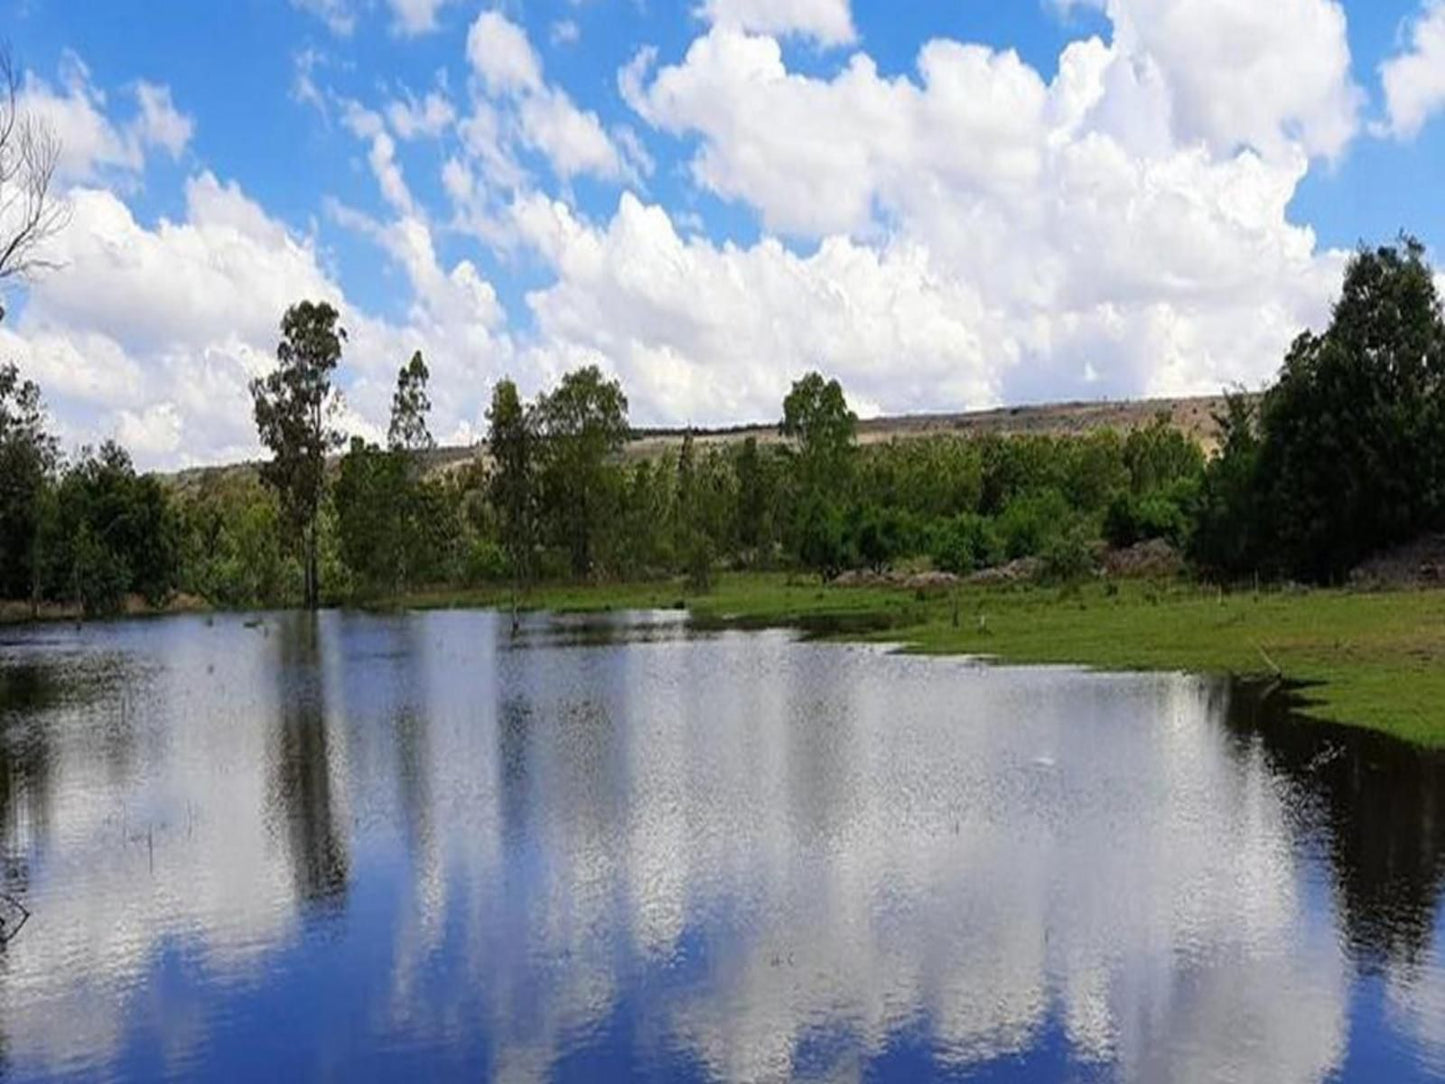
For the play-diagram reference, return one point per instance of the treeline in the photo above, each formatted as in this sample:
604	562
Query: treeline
1345	455
88	530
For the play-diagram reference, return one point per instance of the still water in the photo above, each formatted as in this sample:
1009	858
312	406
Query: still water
355	847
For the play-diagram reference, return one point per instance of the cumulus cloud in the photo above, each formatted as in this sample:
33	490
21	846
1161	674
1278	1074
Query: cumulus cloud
153	334
966	233
710	334
1107	242
829	22
1414	80
95	146
1267	75
501	54
540	116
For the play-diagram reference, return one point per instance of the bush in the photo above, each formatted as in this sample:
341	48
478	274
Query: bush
101	575
1068	557
1164	514
486	562
1030	523
965	543
880	536
823	539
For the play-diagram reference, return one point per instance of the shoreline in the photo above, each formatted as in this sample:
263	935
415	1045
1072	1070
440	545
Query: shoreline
1371	660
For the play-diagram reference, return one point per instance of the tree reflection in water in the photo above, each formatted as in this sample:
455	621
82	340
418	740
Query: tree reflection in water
431	849
301	764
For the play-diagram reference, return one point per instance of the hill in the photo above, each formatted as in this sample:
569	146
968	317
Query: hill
1194	416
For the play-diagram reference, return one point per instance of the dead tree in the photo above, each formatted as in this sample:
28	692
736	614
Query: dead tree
30	211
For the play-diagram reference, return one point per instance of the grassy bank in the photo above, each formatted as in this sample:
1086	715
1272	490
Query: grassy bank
1372	660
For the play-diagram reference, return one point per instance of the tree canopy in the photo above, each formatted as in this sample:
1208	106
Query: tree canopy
1349	453
581	424
293	407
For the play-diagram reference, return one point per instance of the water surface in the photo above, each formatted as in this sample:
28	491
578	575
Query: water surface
412	847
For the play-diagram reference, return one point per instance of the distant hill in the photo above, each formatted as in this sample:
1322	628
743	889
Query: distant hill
1194	416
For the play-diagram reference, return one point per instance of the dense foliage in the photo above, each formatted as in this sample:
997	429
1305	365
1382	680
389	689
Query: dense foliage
1345	455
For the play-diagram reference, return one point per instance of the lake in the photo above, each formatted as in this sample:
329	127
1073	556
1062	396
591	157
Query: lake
416	847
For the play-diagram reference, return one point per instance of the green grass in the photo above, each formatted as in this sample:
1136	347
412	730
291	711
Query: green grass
1371	660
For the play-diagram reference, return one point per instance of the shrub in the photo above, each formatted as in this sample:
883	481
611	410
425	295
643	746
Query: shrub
1068	557
1029	523
965	543
486	562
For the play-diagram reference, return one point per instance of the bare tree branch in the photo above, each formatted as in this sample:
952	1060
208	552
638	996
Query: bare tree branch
30	211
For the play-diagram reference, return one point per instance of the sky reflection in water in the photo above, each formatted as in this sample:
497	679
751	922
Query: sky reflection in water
372	847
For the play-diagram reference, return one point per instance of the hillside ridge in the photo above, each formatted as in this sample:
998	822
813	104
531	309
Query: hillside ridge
1194	415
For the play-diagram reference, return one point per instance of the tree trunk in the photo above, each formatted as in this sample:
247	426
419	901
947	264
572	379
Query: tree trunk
34	581
313	571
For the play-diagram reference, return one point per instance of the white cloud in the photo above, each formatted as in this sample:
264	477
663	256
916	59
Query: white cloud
1267	75
338	15
1098	234
411	17
152	334
160	124
573	140
153	433
500	53
367	125
1414	80
712	334
565	32
431	116
543	117
830	22
93	145
970	233
408	17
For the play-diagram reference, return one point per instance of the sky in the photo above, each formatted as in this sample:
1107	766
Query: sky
946	204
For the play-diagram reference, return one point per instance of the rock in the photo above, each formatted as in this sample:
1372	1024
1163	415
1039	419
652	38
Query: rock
1420	563
929	581
1154	559
1024	570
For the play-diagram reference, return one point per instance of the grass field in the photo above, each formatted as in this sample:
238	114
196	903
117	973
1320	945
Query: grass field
1371	660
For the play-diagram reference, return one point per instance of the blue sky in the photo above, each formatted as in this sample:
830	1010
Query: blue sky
948	204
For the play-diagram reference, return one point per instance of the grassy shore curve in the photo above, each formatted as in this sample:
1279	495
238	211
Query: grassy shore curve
1374	660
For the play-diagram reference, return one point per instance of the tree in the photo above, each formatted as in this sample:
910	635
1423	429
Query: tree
231	550
1352	457
695	520
816	416
1158	455
391	522
582	423
755	493
28	457
30	213
511	442
114	533
293	406
410	406
371	499
1228	518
